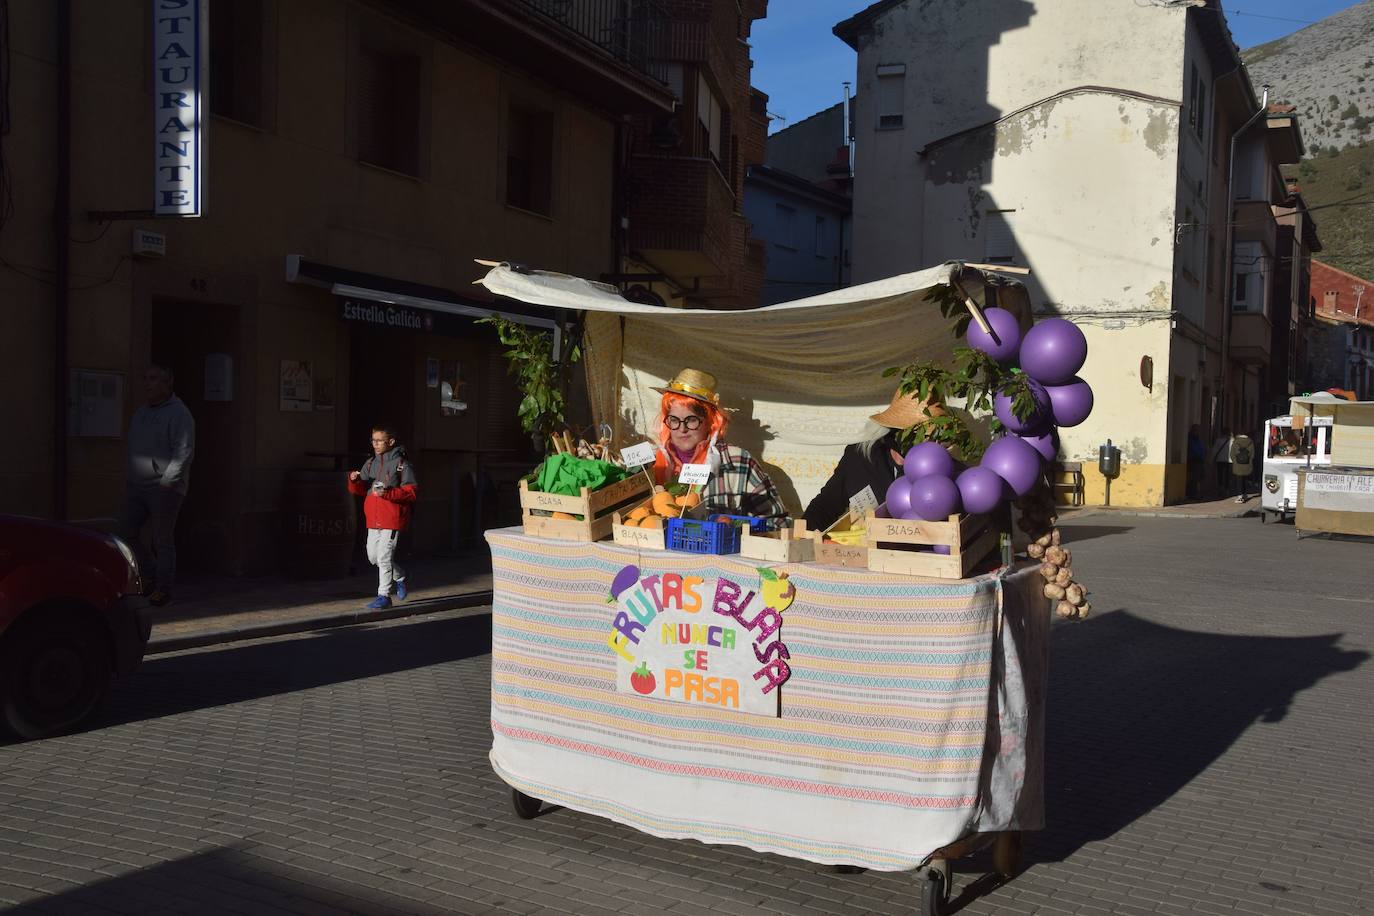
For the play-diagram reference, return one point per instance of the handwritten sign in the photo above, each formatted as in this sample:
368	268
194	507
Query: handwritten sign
863	502
697	474
637	456
1340	483
707	642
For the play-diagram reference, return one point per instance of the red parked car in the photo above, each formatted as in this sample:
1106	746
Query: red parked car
71	617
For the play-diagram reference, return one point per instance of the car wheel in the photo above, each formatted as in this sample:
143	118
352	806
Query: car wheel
54	672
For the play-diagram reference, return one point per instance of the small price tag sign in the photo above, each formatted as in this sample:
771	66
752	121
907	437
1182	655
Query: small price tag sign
863	502
695	474
637	455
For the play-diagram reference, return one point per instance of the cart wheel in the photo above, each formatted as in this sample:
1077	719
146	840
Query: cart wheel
934	893
526	806
1006	853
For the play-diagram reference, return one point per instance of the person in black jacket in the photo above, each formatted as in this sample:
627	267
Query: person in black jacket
874	462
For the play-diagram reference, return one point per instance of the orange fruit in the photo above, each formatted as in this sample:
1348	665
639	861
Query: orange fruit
689	500
652	521
664	504
630	522
565	516
639	511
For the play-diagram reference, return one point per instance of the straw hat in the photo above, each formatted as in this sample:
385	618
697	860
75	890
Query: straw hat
694	384
906	411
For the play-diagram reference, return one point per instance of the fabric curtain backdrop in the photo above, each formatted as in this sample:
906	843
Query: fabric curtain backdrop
802	376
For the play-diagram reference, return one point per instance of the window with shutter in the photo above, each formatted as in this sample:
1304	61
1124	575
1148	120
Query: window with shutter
236	60
529	159
388	109
999	237
891	96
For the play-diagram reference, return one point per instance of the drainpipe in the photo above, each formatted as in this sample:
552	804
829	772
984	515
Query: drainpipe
62	268
1230	255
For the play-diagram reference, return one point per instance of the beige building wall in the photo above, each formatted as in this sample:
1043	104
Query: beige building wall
1054	132
293	185
1100	250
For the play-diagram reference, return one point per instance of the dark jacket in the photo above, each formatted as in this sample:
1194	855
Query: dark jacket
390	509
859	467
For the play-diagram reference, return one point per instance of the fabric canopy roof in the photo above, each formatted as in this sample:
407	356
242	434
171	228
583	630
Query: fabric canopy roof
802	376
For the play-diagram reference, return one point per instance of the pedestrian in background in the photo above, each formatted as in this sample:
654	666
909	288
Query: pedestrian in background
388	482
1221	460
162	443
1197	460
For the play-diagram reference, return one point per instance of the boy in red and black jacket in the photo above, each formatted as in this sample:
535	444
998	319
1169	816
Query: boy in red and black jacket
389	483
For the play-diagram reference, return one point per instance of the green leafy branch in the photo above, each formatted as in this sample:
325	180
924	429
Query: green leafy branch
529	357
975	377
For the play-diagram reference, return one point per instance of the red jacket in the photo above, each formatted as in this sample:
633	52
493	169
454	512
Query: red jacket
389	510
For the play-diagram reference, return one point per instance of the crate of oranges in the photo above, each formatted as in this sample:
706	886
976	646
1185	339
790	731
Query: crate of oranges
643	525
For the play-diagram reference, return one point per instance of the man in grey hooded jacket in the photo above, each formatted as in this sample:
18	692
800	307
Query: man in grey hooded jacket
162	442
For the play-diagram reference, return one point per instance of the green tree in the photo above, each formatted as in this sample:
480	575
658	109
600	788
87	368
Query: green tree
1350	111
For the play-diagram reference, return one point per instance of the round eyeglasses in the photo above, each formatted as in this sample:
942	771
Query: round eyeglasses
688	423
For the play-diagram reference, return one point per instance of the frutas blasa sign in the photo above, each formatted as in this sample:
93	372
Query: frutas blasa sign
709	642
180	105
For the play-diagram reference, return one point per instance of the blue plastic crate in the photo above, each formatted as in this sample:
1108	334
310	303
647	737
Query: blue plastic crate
692	536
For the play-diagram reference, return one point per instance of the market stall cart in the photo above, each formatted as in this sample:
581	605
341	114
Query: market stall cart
910	725
1335	500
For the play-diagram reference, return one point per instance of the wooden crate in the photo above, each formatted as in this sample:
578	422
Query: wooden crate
597	508
854	556
785	546
895	545
634	536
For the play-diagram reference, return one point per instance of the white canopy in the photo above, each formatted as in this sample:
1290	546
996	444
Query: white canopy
803	376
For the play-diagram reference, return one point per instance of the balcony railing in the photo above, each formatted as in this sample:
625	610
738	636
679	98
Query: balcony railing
634	32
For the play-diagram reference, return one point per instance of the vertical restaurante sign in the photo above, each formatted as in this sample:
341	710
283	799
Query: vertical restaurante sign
180	105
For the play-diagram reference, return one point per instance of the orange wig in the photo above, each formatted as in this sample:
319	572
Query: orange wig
716	421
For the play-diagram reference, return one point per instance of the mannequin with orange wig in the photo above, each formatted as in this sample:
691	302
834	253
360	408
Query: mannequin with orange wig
691	430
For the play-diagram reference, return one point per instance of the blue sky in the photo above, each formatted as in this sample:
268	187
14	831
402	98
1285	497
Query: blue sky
801	64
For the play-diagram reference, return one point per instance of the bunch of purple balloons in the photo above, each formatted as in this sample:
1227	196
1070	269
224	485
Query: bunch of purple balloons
933	486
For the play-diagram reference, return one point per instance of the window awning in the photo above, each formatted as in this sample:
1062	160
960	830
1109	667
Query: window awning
354	284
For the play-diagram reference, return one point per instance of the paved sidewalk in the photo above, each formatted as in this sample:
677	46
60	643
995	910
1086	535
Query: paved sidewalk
212	610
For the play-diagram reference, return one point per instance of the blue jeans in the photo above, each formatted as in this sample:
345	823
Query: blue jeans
159	506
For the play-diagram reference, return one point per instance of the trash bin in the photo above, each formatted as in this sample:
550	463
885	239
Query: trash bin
321	521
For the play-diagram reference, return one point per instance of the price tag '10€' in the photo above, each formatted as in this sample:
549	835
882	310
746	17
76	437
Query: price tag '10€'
696	474
637	455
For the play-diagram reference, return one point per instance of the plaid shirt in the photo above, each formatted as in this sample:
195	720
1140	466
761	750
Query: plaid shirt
738	486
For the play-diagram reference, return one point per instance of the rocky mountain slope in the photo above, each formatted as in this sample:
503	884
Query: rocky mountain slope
1327	70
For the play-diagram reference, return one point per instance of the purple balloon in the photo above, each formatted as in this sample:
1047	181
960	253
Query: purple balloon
1014	460
1071	403
1053	351
899	498
1008	335
934	498
981	489
1032	425
927	459
1047	444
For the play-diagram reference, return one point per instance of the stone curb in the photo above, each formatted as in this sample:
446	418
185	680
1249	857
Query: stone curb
161	646
1238	512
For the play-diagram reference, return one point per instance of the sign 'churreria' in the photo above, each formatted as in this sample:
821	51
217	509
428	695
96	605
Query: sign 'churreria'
180	105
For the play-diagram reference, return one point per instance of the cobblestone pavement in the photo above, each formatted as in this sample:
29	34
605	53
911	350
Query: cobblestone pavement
1209	752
